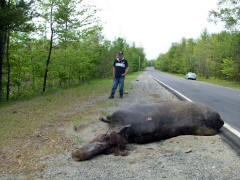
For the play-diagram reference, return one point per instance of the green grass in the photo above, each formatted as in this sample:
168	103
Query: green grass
19	122
212	80
22	117
221	82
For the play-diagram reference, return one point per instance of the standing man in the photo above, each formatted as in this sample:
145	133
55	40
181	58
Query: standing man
120	70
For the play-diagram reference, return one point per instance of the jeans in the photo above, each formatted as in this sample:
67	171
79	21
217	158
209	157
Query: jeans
120	81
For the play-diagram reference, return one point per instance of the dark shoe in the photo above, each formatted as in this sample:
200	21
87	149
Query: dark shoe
111	97
121	96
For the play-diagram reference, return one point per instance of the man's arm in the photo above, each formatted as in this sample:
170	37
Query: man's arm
113	72
126	71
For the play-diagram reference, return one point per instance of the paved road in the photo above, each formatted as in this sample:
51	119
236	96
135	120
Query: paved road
226	101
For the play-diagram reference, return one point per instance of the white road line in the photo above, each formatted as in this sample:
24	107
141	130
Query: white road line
230	128
226	125
180	94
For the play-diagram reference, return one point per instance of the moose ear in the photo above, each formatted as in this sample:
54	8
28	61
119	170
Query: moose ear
122	129
106	120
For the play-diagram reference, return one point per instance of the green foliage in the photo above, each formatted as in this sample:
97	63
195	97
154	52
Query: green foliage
228	68
215	55
16	15
228	12
79	52
88	57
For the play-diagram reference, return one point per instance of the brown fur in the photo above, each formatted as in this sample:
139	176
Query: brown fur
119	143
99	138
78	154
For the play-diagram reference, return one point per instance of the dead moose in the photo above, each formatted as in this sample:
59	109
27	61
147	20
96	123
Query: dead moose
149	123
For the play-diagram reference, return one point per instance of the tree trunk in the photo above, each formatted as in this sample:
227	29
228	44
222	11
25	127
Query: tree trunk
8	65
50	49
2	45
48	61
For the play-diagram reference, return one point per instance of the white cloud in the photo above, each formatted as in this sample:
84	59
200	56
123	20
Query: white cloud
155	24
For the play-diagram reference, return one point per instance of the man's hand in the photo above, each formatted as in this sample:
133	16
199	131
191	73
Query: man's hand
126	71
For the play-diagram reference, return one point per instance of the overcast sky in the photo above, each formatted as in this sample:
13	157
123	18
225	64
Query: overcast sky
155	24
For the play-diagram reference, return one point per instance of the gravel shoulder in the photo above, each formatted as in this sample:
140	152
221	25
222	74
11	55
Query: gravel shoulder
183	157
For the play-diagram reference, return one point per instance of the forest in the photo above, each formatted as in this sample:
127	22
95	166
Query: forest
55	43
214	55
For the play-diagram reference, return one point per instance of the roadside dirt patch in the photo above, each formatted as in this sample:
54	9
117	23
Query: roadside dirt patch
183	157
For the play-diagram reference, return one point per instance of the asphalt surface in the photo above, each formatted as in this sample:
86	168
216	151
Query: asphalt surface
225	101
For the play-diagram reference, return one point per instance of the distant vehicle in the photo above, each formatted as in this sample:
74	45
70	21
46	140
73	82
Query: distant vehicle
191	75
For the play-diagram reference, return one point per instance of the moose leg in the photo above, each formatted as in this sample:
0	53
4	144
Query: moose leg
92	149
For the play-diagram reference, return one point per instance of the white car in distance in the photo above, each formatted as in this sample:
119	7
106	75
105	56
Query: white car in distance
191	75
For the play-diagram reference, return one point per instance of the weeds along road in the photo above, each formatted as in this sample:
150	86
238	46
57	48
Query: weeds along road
225	101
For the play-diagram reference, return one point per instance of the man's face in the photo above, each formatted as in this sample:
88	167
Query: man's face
120	56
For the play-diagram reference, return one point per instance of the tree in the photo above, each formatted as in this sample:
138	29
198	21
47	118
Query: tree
190	64
66	23
8	65
229	69
228	12
49	16
15	16
67	47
